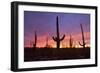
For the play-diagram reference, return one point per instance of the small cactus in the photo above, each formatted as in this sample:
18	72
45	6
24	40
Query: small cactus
74	44
71	42
46	42
35	40
57	39
83	40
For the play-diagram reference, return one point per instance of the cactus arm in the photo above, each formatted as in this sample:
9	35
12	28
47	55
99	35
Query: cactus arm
55	39
62	38
82	33
83	40
80	44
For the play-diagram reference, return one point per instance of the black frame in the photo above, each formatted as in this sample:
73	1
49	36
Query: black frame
14	35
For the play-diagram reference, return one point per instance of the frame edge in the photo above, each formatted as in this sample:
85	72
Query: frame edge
14	36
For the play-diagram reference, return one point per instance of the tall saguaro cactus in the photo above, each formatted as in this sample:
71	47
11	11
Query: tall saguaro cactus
83	40
57	39
71	42
35	40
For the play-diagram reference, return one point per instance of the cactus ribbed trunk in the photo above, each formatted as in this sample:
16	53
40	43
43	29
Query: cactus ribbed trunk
83	40
58	42
71	42
57	39
35	40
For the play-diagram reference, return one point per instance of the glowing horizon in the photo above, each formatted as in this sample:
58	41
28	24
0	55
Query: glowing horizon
41	41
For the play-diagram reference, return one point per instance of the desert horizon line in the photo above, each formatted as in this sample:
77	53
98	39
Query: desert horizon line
41	41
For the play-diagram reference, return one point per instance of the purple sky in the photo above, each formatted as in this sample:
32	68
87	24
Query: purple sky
45	24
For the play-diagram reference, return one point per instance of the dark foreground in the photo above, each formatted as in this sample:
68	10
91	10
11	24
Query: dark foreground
45	54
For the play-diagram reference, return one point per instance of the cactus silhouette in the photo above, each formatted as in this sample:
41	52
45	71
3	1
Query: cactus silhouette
74	44
57	39
71	42
47	42
35	40
83	40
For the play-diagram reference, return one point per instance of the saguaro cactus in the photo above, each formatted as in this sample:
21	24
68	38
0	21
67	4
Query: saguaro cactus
57	39
71	42
35	40
83	40
74	44
47	42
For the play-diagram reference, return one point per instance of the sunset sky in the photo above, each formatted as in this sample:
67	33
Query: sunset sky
44	23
